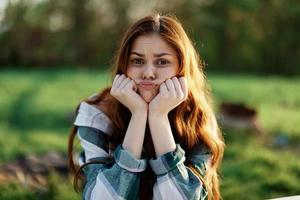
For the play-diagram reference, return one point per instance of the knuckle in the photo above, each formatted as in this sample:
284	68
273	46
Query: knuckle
112	91
181	95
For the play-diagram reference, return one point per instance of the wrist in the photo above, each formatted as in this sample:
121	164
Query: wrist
157	111
139	113
157	116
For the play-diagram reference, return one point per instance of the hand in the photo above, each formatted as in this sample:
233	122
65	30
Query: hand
124	90
171	93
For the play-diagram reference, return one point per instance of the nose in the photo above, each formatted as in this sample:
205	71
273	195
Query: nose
149	72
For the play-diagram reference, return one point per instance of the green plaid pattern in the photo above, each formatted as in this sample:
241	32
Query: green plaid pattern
118	175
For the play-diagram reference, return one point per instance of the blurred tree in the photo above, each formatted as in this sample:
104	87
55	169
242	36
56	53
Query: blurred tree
232	35
280	44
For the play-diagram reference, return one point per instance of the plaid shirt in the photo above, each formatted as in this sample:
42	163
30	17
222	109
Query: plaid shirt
119	174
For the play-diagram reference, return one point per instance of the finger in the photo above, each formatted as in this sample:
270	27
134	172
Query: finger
178	89
163	88
171	87
115	79
120	80
113	87
130	84
135	88
184	87
124	83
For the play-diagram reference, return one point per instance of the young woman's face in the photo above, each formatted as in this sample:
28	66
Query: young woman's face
151	61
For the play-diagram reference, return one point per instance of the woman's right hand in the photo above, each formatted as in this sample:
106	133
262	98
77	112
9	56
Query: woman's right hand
124	90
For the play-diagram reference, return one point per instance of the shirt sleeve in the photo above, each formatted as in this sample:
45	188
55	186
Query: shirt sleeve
118	174
177	181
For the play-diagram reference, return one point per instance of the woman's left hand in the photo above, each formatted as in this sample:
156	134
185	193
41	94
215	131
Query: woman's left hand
172	92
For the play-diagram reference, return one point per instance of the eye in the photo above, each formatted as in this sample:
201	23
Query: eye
137	61
162	62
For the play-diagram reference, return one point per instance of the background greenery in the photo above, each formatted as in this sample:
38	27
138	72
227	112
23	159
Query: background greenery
37	105
257	36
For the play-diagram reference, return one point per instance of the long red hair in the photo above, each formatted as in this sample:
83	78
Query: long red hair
191	122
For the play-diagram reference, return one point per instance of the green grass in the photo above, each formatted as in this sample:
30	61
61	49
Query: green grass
276	99
36	110
36	106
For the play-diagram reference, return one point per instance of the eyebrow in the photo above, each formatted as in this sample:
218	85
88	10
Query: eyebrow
155	55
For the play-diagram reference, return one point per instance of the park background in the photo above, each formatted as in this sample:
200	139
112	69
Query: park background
54	54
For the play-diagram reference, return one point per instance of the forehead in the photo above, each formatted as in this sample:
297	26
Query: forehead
153	42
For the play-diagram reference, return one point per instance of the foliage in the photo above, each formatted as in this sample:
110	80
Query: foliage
241	36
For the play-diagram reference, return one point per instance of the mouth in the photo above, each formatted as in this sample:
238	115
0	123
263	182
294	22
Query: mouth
148	85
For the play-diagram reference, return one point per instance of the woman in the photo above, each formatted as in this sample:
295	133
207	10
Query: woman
152	134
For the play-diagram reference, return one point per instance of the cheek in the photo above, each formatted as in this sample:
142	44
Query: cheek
132	72
128	71
175	70
167	73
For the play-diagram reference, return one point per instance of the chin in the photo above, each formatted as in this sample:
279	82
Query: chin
147	98
148	95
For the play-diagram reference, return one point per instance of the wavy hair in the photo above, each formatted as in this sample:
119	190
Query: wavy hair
193	121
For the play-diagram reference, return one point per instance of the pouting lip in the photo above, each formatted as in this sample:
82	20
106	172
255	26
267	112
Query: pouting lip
147	84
